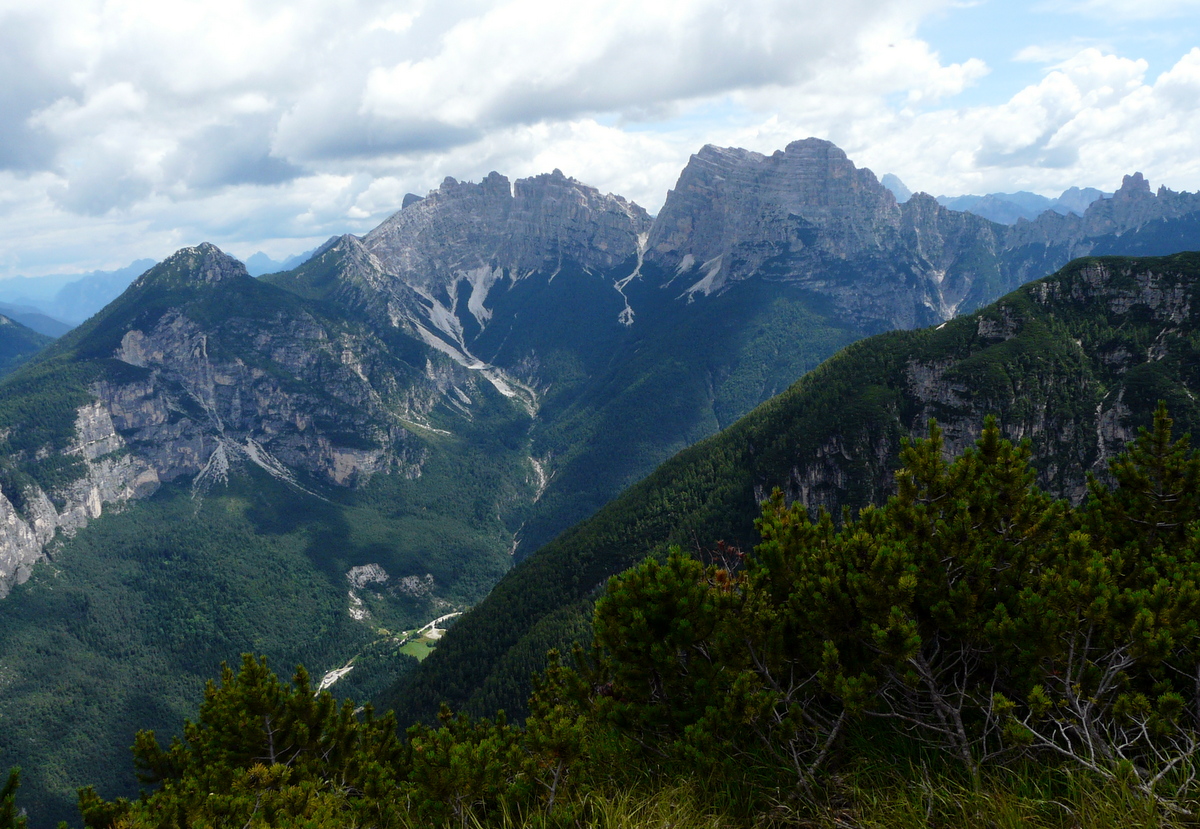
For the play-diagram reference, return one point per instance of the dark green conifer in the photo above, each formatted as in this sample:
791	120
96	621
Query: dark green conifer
10	817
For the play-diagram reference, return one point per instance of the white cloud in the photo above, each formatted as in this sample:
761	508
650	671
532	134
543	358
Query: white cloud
185	107
131	127
1055	52
1088	121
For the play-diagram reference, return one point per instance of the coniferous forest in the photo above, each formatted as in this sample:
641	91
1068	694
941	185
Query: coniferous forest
971	650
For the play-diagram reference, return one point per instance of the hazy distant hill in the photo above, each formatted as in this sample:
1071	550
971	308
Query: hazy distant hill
35	320
260	264
18	343
1009	208
70	298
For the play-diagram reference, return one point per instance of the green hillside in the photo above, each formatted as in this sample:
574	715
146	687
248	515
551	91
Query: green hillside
614	401
214	359
441	523
1074	362
18	344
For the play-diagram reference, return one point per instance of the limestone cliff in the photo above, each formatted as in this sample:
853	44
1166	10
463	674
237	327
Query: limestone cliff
529	225
1134	221
110	475
438	259
807	214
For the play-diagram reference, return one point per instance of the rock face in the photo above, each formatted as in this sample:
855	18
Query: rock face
431	268
530	225
252	383
109	476
1131	209
747	208
462	239
1122	341
807	214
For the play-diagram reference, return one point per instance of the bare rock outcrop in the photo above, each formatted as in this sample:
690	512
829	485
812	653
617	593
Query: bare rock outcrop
110	475
807	214
532	224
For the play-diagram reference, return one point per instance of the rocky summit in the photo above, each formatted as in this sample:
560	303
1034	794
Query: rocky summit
807	214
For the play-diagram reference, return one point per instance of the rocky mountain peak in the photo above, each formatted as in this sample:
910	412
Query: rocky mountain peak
901	191
531	224
733	209
203	264
1130	208
1132	187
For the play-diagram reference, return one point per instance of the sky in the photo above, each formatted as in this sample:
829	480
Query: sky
131	128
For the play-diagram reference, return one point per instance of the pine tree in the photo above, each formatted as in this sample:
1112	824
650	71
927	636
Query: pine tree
10	818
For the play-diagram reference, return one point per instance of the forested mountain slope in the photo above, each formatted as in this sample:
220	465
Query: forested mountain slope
18	343
270	479
1074	363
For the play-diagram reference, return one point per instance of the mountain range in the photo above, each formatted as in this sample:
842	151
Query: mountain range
309	463
1010	208
1007	208
52	305
260	263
